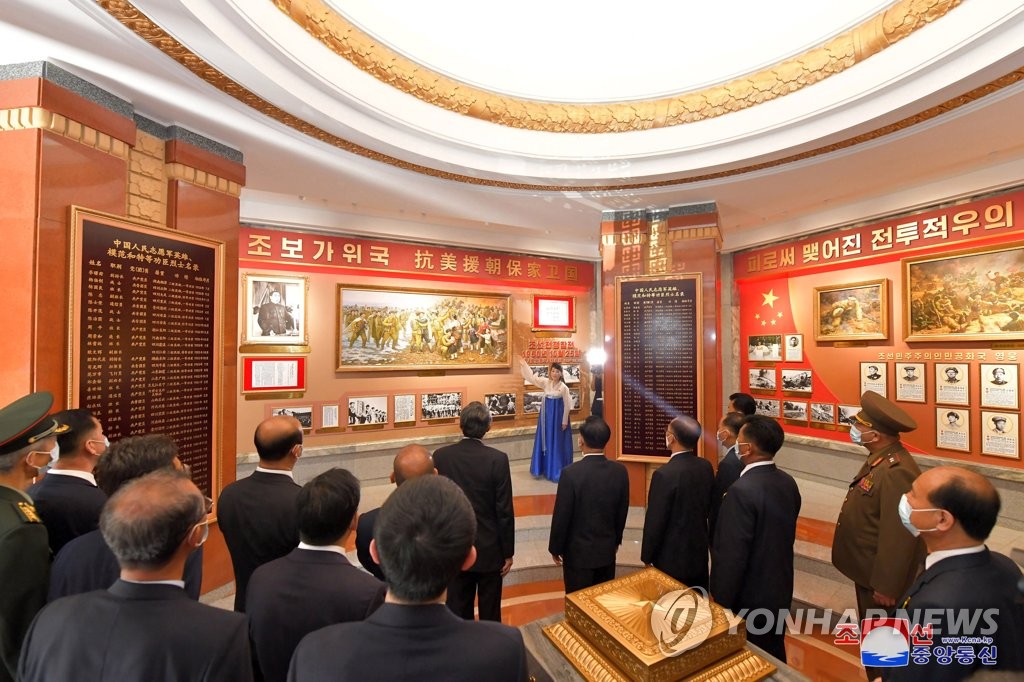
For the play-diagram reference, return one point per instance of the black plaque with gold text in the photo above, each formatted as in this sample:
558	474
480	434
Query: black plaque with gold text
145	334
659	340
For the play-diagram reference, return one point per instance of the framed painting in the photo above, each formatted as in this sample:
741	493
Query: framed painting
392	328
972	295
274	308
852	312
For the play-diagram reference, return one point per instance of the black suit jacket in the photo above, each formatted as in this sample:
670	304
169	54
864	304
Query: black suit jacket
426	642
69	506
258	516
86	564
306	590
483	474
135	632
676	525
364	533
967	584
752	558
590	512
728	472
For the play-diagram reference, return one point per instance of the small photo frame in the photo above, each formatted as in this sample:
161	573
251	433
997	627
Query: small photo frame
1000	434
761	380
554	313
794	410
823	413
574	393
368	410
532	400
951	383
764	348
1000	385
273	374
330	417
846	415
445	405
539	370
571	374
852	312
910	382
405	408
274	312
304	413
793	347
874	376
768	408
952	429
501	404
797	381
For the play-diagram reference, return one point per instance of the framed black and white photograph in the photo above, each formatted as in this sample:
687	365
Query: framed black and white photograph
274	308
447	405
405	408
1000	434
532	400
303	413
574	393
952	429
541	371
846	415
793	347
874	376
951	383
764	348
910	382
501	404
761	380
570	374
794	410
797	380
999	385
823	413
368	410
768	408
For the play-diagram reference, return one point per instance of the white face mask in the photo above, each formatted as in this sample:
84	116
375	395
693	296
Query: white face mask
54	454
857	436
905	510
668	442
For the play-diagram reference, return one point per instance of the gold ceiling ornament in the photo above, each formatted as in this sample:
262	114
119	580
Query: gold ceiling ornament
366	53
129	16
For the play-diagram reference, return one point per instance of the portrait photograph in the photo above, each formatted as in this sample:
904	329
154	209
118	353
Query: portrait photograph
793	347
405	408
764	348
532	400
852	312
501	404
910	382
447	405
952	429
874	376
951	383
972	295
767	408
823	413
846	414
303	413
798	380
794	410
275	313
1000	434
999	385
761	380
366	410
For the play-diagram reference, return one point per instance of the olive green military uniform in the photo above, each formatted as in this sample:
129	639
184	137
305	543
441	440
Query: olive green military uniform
24	573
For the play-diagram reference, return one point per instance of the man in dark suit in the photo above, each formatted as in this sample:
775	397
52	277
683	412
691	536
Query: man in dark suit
144	627
729	467
87	563
410	462
954	510
314	586
752	557
483	474
676	525
424	537
590	511
67	498
258	513
743	403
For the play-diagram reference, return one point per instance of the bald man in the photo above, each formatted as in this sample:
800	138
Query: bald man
412	461
258	514
953	510
676	525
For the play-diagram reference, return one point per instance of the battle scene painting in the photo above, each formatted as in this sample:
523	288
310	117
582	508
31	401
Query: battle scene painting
851	312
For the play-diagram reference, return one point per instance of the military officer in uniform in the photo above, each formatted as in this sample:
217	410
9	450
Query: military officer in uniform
27	439
870	546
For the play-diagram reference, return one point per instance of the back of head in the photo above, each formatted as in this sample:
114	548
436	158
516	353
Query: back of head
763	433
412	461
132	457
81	423
733	421
743	403
686	431
971	499
327	505
146	521
475	420
276	436
424	533
595	432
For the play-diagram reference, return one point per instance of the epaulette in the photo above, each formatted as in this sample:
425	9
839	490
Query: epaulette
894	459
26	512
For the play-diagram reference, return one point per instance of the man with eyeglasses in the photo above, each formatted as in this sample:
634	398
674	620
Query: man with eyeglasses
27	438
144	627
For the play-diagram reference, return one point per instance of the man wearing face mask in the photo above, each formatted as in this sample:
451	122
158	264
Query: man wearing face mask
729	467
67	498
870	546
27	438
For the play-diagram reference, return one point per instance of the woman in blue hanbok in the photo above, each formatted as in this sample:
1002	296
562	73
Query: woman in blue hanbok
552	447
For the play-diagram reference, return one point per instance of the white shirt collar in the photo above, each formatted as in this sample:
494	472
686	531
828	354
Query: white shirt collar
280	472
681	452
593	454
748	467
322	548
176	583
936	557
84	475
